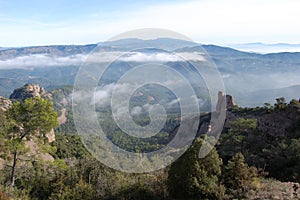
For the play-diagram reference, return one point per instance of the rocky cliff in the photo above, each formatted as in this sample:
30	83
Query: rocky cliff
273	123
29	91
20	94
225	101
4	103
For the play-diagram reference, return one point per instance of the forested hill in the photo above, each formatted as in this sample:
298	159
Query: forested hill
246	75
256	157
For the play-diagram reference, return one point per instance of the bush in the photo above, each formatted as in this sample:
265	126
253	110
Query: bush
82	190
3	195
239	177
195	178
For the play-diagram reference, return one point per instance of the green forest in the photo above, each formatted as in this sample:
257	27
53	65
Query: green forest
246	163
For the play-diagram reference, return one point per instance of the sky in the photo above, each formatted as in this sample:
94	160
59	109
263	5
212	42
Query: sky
221	22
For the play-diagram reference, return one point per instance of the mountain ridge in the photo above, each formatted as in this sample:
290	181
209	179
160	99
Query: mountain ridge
57	65
113	45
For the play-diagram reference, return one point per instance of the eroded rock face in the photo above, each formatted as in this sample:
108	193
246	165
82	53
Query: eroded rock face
225	100
29	91
62	118
275	123
4	103
230	102
50	136
35	151
2	163
221	102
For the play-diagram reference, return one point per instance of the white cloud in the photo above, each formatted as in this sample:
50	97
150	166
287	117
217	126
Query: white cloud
161	57
142	57
102	96
173	102
201	102
41	60
220	21
133	57
137	110
224	76
147	107
207	21
46	60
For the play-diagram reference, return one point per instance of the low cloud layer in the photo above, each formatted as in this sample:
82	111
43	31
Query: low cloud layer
162	57
41	60
47	60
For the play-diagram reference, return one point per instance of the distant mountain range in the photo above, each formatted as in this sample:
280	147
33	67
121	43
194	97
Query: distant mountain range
251	77
267	48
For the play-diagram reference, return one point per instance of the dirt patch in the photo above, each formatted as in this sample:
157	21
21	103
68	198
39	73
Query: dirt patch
62	118
272	189
35	151
2	162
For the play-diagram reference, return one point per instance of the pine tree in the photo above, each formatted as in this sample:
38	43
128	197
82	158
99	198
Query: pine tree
191	177
238	176
34	116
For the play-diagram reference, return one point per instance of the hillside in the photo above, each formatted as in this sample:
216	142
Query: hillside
267	137
244	74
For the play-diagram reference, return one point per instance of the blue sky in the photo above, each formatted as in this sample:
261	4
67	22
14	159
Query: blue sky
50	22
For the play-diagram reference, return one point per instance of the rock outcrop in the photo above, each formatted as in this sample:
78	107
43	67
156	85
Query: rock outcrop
269	123
36	152
221	102
29	91
225	100
2	163
230	103
50	136
4	103
20	94
273	123
62	118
